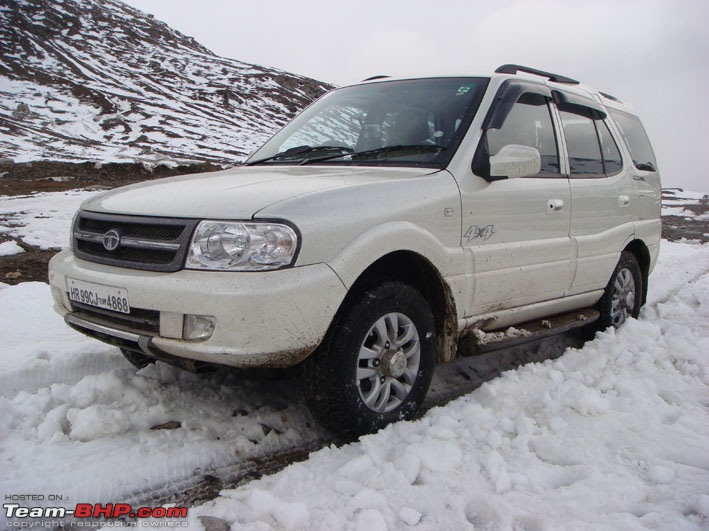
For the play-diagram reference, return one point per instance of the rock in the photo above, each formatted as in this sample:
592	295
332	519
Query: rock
171	425
21	112
212	523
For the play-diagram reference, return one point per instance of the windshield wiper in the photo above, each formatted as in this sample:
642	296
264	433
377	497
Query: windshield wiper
373	153
295	152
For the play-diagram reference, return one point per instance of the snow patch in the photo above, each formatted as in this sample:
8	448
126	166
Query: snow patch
484	338
96	421
10	249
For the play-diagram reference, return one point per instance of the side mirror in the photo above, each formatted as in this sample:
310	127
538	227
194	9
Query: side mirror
514	161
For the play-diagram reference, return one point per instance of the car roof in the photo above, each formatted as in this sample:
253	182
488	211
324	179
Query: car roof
514	71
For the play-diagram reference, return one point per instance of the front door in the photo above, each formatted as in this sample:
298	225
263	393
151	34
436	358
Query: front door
517	230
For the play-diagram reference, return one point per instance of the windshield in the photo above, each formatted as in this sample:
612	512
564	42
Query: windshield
416	122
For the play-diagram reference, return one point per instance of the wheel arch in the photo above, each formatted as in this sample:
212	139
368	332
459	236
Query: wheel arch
415	270
642	254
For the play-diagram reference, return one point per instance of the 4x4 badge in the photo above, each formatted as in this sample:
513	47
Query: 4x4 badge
476	232
111	240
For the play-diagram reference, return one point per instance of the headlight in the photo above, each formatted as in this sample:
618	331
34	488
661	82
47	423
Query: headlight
233	246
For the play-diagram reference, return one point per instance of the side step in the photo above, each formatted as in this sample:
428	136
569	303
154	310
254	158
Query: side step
476	341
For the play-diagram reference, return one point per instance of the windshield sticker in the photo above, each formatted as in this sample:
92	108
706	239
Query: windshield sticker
463	90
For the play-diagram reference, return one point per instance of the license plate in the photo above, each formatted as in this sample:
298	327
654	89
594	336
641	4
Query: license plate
98	295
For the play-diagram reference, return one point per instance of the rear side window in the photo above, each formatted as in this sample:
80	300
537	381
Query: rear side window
582	144
592	150
612	161
636	139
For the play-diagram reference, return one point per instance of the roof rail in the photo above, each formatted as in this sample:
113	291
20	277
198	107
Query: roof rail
612	98
373	78
513	69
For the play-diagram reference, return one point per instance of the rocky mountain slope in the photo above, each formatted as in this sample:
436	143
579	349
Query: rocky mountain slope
101	81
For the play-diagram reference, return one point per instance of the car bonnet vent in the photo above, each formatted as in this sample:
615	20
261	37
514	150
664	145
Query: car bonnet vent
556	78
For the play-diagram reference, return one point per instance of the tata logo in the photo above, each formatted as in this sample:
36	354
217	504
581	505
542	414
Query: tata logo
111	240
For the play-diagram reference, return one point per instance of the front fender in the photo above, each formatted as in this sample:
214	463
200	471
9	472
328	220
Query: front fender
394	236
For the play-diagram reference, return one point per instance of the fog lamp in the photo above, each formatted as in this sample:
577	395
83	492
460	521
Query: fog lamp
198	327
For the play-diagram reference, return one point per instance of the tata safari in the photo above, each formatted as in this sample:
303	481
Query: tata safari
392	225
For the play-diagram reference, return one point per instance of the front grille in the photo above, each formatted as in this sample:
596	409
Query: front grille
138	320
151	244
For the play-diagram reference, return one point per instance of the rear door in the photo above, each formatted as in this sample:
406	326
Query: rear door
601	192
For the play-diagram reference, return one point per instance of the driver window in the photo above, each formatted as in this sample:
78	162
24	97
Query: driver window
529	123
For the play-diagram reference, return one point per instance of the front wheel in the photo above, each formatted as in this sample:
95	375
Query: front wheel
376	362
623	295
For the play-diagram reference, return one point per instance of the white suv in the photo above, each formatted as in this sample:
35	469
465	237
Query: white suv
392	225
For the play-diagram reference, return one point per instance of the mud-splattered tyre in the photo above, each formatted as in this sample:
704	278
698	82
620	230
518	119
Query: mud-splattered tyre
376	363
623	295
137	359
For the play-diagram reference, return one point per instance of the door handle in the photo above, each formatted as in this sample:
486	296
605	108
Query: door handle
555	205
623	200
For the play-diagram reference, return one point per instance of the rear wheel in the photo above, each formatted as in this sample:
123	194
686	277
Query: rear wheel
376	363
622	298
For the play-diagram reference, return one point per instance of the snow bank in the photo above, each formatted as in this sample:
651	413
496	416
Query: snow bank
76	419
609	436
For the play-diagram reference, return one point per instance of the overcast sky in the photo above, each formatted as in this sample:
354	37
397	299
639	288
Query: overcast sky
651	53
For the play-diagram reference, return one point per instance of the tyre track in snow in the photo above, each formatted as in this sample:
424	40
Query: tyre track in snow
665	298
451	381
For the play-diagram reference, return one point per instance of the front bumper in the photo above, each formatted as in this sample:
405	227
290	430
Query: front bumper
268	319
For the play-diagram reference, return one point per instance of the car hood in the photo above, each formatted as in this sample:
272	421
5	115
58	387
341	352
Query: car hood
237	193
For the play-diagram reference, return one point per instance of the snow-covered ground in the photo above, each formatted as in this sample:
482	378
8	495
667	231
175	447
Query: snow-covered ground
613	435
42	219
676	201
610	436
